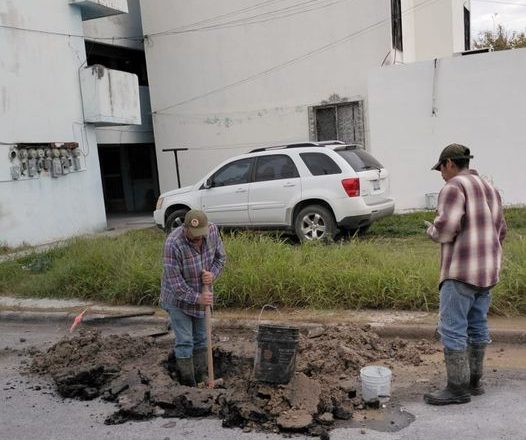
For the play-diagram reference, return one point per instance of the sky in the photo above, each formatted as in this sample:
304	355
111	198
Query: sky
488	14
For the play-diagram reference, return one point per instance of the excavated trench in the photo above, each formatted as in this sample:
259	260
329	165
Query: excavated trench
133	373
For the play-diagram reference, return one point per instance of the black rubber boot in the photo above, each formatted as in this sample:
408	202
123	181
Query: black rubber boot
476	354
457	389
171	364
185	370
201	365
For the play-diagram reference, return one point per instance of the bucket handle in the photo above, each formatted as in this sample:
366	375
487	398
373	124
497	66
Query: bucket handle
271	306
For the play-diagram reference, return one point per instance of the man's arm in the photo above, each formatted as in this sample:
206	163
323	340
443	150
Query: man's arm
174	280
450	212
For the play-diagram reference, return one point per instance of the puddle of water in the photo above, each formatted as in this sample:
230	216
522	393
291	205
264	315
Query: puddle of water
391	418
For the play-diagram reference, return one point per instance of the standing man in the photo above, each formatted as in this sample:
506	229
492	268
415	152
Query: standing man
470	227
193	256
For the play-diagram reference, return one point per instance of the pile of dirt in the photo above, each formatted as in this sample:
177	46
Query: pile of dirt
133	373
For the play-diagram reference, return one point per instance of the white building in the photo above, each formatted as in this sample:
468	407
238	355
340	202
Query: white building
230	76
476	100
69	94
226	77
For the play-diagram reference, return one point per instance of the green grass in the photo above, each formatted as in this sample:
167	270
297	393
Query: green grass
393	267
119	270
406	225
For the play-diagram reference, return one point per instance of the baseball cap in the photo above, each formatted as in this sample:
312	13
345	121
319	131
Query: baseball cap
453	151
196	223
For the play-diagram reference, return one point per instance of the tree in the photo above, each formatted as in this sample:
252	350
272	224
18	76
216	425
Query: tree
501	39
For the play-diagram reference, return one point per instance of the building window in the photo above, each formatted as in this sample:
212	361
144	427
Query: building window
342	122
467	29
396	24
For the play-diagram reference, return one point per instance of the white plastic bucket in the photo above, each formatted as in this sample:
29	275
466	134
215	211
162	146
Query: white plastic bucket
376	383
431	200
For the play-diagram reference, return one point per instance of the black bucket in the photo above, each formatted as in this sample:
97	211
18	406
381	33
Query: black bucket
276	353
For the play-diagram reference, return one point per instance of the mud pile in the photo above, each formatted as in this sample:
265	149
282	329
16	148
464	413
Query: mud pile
132	372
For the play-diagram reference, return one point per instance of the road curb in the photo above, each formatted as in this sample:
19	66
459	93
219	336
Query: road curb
409	331
68	317
509	336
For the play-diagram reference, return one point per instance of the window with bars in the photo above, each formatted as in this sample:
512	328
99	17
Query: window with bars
343	122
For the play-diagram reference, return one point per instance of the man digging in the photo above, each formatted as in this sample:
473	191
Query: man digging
193	256
470	227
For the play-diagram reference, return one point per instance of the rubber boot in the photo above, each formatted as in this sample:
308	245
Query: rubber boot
201	365
457	389
171	364
185	369
476	365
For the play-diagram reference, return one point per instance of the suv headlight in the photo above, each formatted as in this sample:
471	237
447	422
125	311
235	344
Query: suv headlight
159	203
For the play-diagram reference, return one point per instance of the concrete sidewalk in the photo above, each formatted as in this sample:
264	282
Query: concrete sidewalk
420	325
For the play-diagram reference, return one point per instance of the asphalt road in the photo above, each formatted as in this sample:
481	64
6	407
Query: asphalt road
30	409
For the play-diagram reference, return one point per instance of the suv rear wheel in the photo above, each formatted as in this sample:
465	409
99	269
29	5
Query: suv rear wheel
174	220
315	222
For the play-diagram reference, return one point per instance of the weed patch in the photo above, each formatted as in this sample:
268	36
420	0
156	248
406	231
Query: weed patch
394	266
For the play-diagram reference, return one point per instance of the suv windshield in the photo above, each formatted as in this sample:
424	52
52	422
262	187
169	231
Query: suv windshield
360	160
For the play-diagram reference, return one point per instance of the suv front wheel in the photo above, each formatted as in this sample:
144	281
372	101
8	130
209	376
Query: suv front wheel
174	220
315	222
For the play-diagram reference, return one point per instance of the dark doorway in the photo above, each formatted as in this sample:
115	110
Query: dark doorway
129	177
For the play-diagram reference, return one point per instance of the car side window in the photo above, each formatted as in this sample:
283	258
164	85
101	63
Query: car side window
275	167
320	164
234	173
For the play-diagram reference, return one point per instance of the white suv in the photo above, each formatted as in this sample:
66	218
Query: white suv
313	189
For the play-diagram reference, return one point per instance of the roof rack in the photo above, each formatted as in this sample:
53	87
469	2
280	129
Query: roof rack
298	145
350	147
330	143
279	147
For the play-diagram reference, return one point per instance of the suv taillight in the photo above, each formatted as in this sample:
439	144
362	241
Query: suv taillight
352	186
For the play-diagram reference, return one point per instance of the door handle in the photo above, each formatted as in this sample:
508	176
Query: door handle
241	190
289	185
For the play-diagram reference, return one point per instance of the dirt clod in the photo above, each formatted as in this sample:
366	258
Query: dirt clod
133	373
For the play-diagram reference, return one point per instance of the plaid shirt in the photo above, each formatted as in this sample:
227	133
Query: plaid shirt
183	264
470	227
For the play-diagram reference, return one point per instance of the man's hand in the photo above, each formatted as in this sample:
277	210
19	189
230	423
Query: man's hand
427	224
207	277
205	298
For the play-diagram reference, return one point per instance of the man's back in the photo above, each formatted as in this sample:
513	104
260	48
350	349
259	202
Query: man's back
471	227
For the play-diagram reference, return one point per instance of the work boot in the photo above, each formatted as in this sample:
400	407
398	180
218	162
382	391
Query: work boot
476	353
457	389
171	364
201	365
185	369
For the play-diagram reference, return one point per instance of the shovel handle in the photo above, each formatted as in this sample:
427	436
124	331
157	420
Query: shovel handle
208	322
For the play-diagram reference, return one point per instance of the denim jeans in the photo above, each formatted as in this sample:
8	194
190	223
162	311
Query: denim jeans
190	332
463	315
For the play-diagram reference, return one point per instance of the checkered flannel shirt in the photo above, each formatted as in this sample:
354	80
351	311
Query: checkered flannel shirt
470	226
183	265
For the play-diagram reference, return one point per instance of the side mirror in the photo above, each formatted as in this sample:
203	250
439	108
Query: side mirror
208	183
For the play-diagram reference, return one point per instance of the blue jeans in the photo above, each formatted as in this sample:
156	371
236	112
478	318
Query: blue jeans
190	332
463	315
